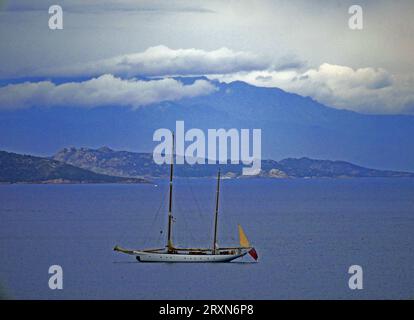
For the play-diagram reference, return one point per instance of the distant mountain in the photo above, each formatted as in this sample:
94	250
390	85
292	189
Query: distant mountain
292	126
16	168
106	161
129	164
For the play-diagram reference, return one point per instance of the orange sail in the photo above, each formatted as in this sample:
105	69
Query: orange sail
244	243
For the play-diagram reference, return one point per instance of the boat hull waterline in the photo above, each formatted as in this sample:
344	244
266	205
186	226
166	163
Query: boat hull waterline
171	257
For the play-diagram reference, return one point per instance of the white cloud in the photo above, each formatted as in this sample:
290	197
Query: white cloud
105	90
366	90
163	61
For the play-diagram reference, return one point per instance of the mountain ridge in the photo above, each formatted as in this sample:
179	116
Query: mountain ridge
132	164
292	126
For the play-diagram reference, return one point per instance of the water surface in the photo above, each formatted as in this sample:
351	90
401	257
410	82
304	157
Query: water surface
307	234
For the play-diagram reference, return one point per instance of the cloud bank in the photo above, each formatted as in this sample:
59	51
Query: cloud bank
366	90
105	90
163	61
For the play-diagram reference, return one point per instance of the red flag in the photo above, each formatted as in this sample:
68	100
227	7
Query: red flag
253	253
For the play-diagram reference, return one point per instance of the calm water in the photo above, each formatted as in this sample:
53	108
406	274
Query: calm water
307	234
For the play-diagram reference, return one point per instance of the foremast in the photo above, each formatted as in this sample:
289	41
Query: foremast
216	214
170	246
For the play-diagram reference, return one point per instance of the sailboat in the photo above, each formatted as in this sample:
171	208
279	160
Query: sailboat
172	253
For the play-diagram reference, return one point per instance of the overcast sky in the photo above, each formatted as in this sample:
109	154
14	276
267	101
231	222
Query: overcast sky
301	46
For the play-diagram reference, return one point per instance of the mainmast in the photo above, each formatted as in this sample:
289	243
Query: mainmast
170	217
216	213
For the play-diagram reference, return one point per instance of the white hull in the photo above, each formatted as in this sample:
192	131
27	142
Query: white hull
171	257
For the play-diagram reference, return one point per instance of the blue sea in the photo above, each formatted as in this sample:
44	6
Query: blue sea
307	232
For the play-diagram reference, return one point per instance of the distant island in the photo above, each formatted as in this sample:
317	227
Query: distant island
17	168
130	164
104	165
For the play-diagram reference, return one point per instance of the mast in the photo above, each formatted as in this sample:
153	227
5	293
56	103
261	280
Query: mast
216	213
170	217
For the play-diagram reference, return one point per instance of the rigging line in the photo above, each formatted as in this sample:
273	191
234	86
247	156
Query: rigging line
201	217
160	234
154	220
186	225
198	208
121	235
193	196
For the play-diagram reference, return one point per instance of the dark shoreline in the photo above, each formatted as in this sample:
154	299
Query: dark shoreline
191	178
